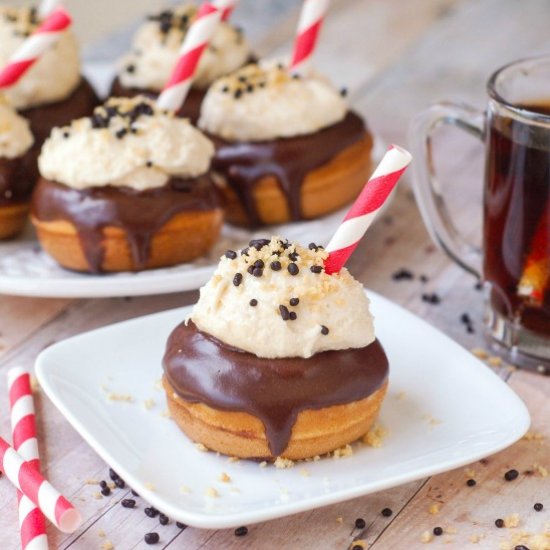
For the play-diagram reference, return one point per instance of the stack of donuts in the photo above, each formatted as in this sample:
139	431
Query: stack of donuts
126	185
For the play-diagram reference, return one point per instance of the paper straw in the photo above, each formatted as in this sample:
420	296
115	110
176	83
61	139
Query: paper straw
226	7
34	46
311	19
46	7
32	524
39	491
366	207
196	40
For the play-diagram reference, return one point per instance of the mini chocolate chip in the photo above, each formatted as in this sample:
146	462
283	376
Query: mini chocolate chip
538	506
465	318
135	493
258	244
105	491
387	512
294	301
151	538
285	314
231	254
296	76
432	298
151	512
479	285
343	92
120	483
238	93
253	302
112	474
130	68
244	251
241	531
121	133
293	256
250	88
324	330
499	523
312	246
163	520
149	164
225	89
316	269
293	269
259	263
103	483
471	482
360	523
438	531
402	275
66	135
521	547
250	269
423	279
275	266
510	475
293	316
128	503
180	525
258	272
237	279
357	547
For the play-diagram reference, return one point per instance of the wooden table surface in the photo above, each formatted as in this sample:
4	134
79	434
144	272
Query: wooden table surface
396	58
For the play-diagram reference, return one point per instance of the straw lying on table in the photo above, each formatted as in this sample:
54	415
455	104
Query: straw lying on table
23	427
366	207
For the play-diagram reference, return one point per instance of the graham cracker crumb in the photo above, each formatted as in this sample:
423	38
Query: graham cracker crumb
511	521
200	447
233	459
469	472
431	420
375	436
158	385
148	404
531	435
426	537
211	492
262	464
494	361
92	481
185	490
283	463
97	495
101	533
304	472
360	543
401	395
480	353
340	519
35	386
450	531
107	545
541	470
111	485
434	509
342	452
124	397
165	413
149	486
224	478
475	538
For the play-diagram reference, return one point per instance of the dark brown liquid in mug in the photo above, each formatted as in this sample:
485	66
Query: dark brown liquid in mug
517	215
203	369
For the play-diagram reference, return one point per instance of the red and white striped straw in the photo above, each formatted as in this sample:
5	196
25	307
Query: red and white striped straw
311	19
34	46
32	524
366	207
196	40
39	491
46	7
226	7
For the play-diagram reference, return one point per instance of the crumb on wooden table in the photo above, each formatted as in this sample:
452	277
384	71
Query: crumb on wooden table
426	537
434	509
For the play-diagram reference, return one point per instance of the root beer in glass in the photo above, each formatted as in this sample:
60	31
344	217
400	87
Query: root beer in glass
516	230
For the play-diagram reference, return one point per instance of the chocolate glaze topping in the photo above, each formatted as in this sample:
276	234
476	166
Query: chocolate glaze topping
289	160
203	369
139	213
15	182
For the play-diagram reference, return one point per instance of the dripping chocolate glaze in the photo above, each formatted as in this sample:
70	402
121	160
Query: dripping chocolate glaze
202	369
140	213
15	181
244	163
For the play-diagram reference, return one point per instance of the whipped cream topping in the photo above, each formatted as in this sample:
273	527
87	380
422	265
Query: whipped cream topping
274	299
127	142
265	101
15	135
54	76
156	45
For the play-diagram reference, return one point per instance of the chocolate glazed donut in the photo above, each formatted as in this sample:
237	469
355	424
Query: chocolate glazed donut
202	369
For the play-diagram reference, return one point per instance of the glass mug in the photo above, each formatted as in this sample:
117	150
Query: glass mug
515	258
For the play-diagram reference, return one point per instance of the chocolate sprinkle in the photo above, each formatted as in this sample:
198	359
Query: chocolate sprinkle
237	279
285	314
510	475
432	298
128	503
402	275
293	269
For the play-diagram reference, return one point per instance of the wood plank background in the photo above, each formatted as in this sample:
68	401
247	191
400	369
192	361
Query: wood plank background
396	58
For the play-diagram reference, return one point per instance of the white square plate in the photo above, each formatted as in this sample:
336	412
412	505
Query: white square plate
444	409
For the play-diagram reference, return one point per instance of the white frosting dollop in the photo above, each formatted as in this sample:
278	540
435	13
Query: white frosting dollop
332	312
53	77
265	101
155	50
15	135
127	142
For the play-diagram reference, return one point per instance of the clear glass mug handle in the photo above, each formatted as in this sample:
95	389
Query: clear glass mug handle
427	187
